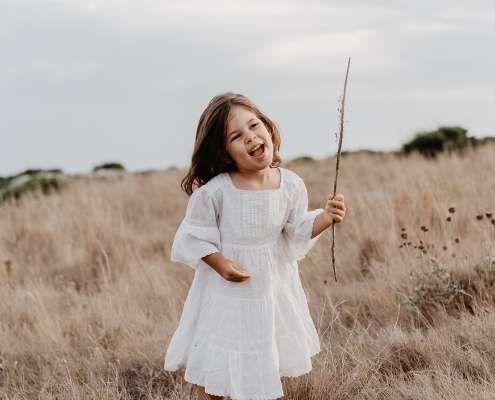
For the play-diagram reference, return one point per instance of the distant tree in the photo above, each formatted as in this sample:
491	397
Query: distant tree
448	138
303	159
109	166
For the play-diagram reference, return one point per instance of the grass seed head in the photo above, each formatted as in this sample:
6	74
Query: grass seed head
479	217
403	229
452	210
444	248
488	215
457	240
8	267
493	221
449	219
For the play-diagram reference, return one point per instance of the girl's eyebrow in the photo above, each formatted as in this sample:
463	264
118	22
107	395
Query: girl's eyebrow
231	133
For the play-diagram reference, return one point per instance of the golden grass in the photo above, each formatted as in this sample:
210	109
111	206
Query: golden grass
89	298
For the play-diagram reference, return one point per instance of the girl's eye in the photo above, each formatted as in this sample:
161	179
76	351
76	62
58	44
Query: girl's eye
254	125
235	137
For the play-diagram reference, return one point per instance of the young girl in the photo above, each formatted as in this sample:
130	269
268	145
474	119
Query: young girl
245	322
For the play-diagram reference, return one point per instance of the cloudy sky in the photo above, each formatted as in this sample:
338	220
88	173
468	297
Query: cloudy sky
84	82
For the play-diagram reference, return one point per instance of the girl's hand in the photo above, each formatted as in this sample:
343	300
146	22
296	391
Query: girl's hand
334	209
226	268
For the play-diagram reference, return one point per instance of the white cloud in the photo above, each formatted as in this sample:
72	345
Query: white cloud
316	53
428	27
461	94
57	71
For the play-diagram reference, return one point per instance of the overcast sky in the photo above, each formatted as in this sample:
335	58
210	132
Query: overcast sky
86	82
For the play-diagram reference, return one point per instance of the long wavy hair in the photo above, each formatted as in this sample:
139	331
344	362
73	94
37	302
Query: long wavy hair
210	156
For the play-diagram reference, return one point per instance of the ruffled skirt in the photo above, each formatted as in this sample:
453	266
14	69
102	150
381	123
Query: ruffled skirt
238	339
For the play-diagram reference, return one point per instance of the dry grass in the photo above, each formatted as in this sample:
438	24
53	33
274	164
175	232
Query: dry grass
89	298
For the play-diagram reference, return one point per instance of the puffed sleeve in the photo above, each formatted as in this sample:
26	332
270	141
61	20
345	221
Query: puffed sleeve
198	235
299	227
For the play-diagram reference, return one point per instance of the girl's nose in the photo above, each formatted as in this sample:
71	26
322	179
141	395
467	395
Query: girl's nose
250	137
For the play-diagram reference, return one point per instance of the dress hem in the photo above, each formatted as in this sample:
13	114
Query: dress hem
243	398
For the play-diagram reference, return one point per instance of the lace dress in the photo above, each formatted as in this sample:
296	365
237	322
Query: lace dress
238	339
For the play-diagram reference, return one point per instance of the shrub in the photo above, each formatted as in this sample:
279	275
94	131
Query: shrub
109	166
303	159
28	181
444	138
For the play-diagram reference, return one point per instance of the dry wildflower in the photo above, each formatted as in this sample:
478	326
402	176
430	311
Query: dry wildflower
403	229
8	267
452	210
421	247
479	217
424	228
453	255
409	243
339	137
404	236
424	251
457	240
493	221
449	219
444	248
488	215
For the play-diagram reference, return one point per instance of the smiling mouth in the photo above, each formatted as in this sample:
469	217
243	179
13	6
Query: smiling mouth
258	151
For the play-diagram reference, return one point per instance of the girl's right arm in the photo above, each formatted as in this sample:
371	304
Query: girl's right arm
226	268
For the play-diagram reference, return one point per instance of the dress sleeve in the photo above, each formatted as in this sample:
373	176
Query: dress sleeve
299	226
198	235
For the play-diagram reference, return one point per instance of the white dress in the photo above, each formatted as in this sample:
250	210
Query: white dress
238	339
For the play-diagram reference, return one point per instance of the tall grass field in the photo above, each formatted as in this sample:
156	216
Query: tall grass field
89	298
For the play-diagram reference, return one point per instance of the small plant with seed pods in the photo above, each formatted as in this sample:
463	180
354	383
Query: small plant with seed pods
437	285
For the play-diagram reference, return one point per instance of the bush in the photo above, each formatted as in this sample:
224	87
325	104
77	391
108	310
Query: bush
109	166
31	180
444	138
303	159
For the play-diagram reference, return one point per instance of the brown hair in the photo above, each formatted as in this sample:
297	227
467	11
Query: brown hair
210	154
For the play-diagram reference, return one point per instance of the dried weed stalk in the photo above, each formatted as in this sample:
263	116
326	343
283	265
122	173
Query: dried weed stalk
337	166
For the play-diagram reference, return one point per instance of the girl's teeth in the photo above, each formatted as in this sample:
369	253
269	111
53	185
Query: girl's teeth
258	151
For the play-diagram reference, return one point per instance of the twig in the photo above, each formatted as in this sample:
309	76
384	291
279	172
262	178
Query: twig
144	271
337	167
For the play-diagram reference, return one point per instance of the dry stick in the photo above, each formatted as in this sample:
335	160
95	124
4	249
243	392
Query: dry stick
337	167
144	270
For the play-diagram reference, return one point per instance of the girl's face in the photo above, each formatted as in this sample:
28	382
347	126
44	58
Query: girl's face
248	142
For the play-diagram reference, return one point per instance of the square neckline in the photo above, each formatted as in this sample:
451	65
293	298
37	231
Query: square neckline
256	190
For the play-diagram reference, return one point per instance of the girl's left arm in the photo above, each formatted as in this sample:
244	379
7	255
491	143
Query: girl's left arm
334	210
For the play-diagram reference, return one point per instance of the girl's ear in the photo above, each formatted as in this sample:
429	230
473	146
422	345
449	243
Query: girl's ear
228	159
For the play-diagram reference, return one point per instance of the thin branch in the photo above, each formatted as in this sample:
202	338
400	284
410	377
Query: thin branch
337	167
144	271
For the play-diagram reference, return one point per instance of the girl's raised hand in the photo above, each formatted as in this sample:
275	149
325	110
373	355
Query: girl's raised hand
334	209
228	269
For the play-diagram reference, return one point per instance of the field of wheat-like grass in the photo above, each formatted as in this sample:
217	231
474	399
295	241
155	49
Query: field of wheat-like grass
89	298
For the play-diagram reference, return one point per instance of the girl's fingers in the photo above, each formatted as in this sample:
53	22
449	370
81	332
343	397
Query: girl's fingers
238	273
336	211
338	204
338	197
